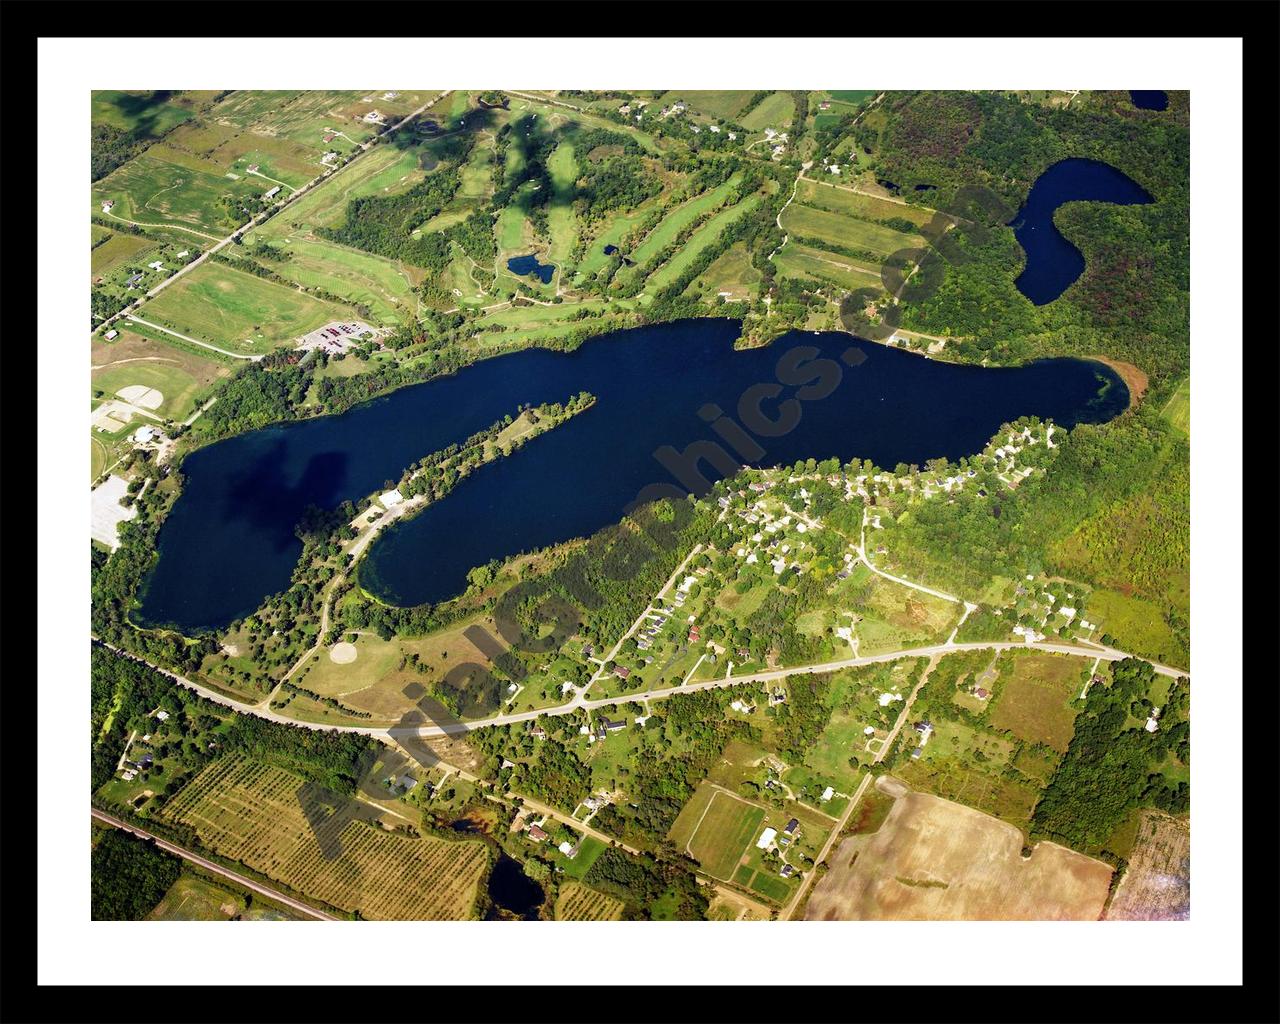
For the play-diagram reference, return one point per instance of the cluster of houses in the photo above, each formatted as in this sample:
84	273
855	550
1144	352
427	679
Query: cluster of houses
925	729
770	839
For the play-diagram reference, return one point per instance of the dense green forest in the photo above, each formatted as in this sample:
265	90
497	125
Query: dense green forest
1110	768
128	876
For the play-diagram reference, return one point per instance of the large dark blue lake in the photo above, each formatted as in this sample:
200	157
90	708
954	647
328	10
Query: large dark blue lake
229	540
1053	263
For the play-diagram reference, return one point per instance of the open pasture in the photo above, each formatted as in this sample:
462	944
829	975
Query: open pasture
799	261
776	110
251	812
838	199
1034	695
934	860
238	311
845	231
154	188
715	827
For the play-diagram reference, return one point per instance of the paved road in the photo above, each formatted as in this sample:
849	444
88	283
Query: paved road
391	734
834	835
217	869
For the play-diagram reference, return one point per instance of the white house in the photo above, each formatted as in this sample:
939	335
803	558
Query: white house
766	838
827	794
391	498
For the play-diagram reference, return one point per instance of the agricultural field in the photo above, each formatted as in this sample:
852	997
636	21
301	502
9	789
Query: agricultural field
775	111
838	199
195	898
578	902
934	860
715	827
237	311
847	232
1157	881
165	186
799	261
250	812
1035	695
1137	625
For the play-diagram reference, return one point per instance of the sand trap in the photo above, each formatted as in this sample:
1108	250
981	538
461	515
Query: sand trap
141	396
343	653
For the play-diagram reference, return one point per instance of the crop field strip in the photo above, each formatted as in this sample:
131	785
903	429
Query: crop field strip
578	902
250	812
850	232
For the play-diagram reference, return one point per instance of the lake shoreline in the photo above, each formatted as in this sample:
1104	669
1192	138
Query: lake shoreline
1134	379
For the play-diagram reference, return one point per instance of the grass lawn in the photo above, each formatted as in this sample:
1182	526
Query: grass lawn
237	311
828	759
180	372
1034	696
589	850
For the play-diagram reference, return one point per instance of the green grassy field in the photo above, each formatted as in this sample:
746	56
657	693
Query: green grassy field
165	186
775	111
1178	409
116	251
706	235
154	112
838	229
561	222
840	200
1034	695
237	311
719	103
798	261
385	286
719	827
731	272
1137	625
681	217
180	389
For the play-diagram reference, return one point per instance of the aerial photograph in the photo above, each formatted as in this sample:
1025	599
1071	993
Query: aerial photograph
637	505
